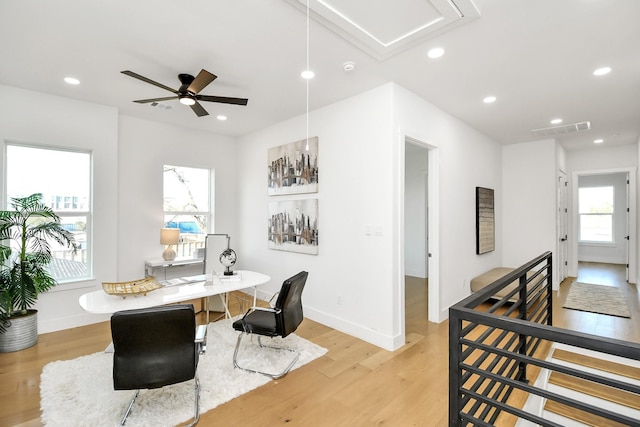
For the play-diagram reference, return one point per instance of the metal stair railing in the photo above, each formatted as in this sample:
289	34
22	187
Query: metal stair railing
497	344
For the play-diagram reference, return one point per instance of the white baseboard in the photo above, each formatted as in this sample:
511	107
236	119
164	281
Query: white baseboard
385	341
61	323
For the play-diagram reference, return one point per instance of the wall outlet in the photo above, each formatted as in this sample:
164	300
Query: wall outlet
339	300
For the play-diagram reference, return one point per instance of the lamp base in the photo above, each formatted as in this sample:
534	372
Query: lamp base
169	254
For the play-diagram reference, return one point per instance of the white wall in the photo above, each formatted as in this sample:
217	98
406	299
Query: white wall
348	285
41	119
529	182
466	159
128	155
360	174
144	147
603	158
356	282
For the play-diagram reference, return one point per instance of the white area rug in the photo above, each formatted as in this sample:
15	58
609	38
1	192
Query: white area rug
79	392
597	299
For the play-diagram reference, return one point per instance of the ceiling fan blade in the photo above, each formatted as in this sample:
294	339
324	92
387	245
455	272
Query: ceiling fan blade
201	81
146	101
222	99
199	110
146	80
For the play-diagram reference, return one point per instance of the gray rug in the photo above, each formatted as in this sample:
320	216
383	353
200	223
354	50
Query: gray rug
597	299
79	392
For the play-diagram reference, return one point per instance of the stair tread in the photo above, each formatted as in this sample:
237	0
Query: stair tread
580	416
596	363
600	391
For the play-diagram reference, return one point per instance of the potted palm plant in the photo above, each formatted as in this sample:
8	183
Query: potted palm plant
26	234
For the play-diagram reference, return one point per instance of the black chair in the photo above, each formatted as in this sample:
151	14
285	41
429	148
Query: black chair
155	347
280	320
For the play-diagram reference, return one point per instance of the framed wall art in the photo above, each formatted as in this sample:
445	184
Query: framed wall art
293	226
485	221
293	168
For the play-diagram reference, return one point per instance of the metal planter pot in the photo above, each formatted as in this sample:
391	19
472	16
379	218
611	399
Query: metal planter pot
23	333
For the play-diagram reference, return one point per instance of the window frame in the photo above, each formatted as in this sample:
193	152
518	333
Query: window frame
611	215
209	215
87	214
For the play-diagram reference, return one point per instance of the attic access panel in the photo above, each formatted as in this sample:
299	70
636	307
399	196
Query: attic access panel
383	28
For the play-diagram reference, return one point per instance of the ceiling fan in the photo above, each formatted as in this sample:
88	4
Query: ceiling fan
189	91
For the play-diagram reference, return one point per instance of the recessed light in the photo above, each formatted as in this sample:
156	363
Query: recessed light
307	74
489	99
556	121
436	52
72	80
349	66
598	141
221	117
602	71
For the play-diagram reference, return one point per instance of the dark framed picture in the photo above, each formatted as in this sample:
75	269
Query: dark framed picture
485	221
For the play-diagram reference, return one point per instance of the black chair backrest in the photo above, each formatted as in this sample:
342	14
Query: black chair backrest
290	303
153	347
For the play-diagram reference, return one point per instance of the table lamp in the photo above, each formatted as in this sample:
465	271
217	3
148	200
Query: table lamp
169	236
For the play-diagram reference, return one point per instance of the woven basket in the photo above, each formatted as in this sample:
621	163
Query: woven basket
134	287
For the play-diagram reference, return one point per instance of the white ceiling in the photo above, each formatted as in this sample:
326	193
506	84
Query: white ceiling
536	56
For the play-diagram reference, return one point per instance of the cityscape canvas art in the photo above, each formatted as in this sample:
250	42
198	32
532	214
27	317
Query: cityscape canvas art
293	168
485	221
293	226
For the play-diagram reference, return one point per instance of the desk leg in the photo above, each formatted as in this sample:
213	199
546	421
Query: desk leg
206	304
225	302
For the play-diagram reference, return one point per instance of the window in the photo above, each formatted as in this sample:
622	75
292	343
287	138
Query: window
64	179
596	214
187	205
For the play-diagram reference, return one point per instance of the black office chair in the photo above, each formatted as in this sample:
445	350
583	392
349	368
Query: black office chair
280	320
155	347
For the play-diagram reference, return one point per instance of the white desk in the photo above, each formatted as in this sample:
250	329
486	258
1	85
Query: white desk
99	302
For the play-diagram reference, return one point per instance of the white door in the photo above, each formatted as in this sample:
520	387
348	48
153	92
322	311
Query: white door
563	226
627	233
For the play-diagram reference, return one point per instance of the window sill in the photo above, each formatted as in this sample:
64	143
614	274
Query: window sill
88	282
598	244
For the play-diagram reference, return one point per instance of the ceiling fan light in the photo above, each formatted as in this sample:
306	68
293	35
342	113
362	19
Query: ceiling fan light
187	100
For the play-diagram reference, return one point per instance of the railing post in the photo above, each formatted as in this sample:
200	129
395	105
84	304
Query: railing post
550	290
522	339
455	372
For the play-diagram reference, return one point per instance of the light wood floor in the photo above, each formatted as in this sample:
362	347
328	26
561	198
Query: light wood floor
354	384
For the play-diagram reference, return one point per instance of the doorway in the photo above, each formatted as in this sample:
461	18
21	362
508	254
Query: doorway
420	226
621	248
416	234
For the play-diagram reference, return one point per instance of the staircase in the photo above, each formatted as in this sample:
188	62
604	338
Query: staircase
602	396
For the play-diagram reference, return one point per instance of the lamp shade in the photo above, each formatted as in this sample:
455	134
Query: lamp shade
169	236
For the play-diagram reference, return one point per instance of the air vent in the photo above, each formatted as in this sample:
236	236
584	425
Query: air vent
560	130
161	106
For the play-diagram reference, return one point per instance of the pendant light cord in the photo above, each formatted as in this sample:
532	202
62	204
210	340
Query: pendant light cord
307	106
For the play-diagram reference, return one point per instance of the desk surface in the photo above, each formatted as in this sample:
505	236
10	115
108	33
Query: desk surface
99	302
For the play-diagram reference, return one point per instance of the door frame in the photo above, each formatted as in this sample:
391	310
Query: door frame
433	226
563	227
631	219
